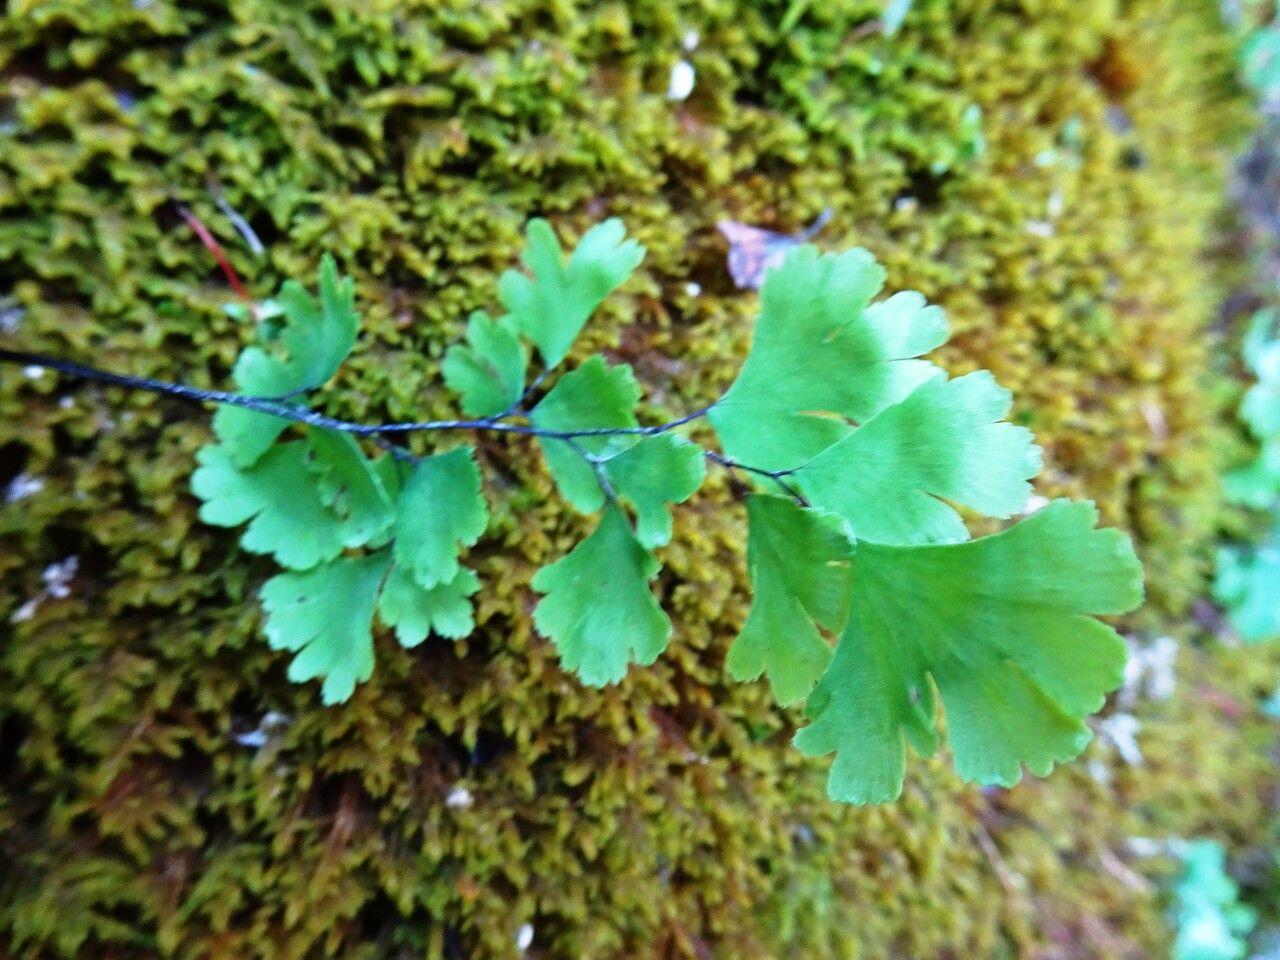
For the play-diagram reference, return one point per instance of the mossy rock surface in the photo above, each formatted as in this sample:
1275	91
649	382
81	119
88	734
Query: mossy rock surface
472	788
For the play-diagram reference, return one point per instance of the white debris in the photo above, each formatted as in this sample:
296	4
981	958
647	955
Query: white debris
906	205
1121	731
1057	203
1040	228
459	798
241	224
33	372
690	41
21	487
1147	847
57	579
1149	672
1154	416
10	315
682	80
27	610
272	721
693	289
524	937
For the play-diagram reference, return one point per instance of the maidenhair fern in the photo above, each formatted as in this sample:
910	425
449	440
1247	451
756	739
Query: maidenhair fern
1209	920
1248	582
871	601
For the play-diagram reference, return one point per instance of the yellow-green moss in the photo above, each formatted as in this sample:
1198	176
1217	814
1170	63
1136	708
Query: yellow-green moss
667	816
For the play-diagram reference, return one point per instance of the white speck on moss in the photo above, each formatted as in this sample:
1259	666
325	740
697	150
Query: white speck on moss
459	798
1121	731
27	610
22	486
682	80
524	937
271	722
10	315
57	579
1149	672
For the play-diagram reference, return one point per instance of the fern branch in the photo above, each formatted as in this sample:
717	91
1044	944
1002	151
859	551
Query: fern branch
278	407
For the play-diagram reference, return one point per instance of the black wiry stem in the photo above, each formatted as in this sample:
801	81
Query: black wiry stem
777	476
279	407
397	451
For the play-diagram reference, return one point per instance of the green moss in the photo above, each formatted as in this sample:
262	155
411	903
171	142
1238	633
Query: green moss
666	816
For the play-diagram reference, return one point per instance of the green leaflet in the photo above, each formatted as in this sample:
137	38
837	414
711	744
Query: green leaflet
415	611
551	306
325	615
886	477
351	485
317	335
1260	60
1261	409
1210	920
488	372
597	608
388	471
441	510
248	435
1260	347
1002	626
1248	577
591	396
1257	483
650	472
657	471
279	499
823	355
1248	585
314	338
799	563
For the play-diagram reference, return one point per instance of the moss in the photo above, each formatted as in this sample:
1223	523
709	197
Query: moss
666	816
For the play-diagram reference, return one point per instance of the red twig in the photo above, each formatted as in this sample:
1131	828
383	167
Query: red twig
211	244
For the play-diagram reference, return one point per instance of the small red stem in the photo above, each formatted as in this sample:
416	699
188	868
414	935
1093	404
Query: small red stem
211	244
